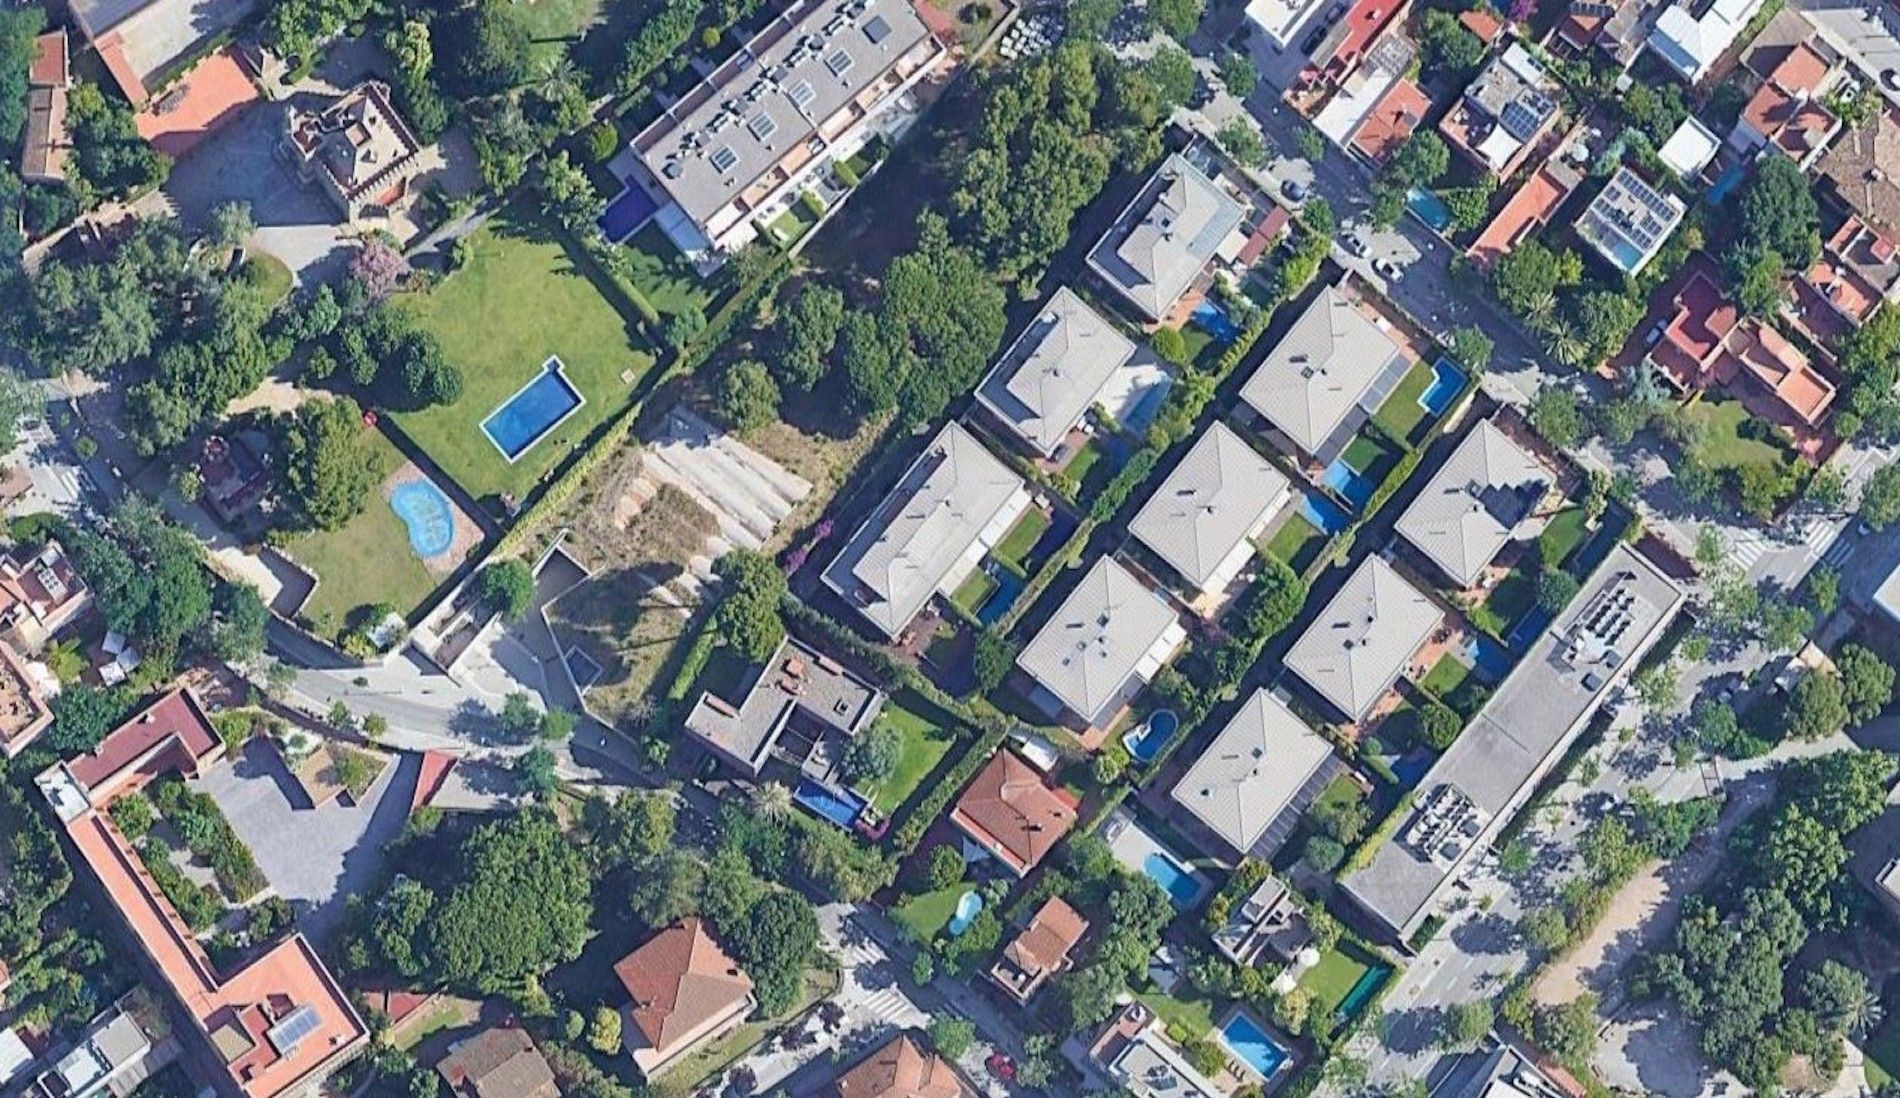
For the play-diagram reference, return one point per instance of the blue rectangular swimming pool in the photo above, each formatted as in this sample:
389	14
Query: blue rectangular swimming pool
1175	879
1447	382
840	806
536	408
626	214
1250	1041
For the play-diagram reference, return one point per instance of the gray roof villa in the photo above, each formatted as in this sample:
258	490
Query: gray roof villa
1204	517
1532	718
1106	640
1259	770
1358	646
1042	385
790	705
1333	361
1166	237
1475	503
953	503
1272	917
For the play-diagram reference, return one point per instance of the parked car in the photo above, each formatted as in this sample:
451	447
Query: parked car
1386	268
1294	190
1353	244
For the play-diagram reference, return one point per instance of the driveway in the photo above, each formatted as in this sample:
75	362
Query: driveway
314	857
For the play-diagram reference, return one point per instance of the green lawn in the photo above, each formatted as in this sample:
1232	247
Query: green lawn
1727	429
519	299
1446	676
1506	603
1297	543
1882	1047
661	273
1082	467
1333	977
1567	529
269	274
971	592
791	226
926	915
1184	1011
925	745
1014	549
553	24
1401	413
365	562
1372	456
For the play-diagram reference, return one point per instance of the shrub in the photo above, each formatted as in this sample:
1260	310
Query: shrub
602	140
946	866
1323	853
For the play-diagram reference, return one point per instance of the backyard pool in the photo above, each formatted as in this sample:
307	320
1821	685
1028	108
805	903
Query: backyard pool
1326	516
1447	382
840	806
625	214
1487	657
1726	182
1145	742
1429	208
1351	485
1141	852
968	906
427	514
1212	319
1250	1041
1008	586
1177	880
534	410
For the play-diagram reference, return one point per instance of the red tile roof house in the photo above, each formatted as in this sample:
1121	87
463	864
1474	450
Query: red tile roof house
40	595
1709	344
1390	121
1009	811
43	152
685	991
1527	211
498	1063
1347	43
24	712
1786	111
1858	271
900	1068
1040	951
279	1025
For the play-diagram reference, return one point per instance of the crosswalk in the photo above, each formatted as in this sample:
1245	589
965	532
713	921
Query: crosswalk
1813	534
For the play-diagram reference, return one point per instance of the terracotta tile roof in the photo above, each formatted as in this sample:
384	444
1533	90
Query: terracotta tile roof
1863	165
49	68
680	980
1013	813
498	1063
1045	943
1483	22
1530	207
1802	71
1780	367
1709	342
174	727
901	1069
214	92
1391	120
432	775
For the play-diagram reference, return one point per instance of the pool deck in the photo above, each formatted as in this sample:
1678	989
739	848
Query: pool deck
1131	844
467	533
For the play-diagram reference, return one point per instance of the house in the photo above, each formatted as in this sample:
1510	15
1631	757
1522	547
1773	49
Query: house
1861	167
1619	29
1477	501
793	703
41	593
1341	110
1787	111
1053	372
1526	725
1690	36
24	690
1101	646
108	1058
1501	1070
1708	343
1040	951
1159	246
1390	121
232	473
900	1068
1205	515
279	1024
1257	775
47	142
1360	643
683	991
1526	212
1325	376
1857	272
357	150
1629	221
1887	888
819	82
1277	21
1689	150
1135	1052
1350	41
1012	814
1272	918
498	1062
933	529
1504	112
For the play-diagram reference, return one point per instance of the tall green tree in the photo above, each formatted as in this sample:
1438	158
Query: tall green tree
519	903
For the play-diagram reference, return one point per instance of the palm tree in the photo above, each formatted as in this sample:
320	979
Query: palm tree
774	799
1864	1012
1561	340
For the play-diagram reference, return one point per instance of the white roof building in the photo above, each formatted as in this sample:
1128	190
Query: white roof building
1041	386
1358	646
1332	362
1203	518
1629	221
1689	149
1475	502
1106	640
1691	35
1254	772
1279	20
1167	236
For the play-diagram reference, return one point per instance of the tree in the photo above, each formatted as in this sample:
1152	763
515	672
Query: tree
1090	19
1845	790
395	929
519	718
1323	853
1866	683
1449	45
1087	995
567	196
328	469
1555	589
952	1037
485	49
1880	497
873	754
231	224
808	332
747	617
519	902
603	1033
536	769
748	397
1824	589
506	587
83	715
668	889
1526	279
557	725
772	943
1468	1023
1817	707
1238	73
1419	161
1778	218
992	659
1471	348
375	725
1177	18
946	866
1842	1000
379	269
1240	138
1439	725
1545	928
1568	1032
1556	416
239	623
1172	71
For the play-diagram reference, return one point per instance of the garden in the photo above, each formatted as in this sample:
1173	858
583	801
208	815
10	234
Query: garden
923	742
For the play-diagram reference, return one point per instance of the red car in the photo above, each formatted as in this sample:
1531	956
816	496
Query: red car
1001	1066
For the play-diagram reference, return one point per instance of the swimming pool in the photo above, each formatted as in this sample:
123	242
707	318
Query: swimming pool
969	905
1177	880
1726	182
534	410
840	806
1326	516
1487	657
427	514
1353	486
1213	320
1447	382
1008	586
1145	742
1429	208
1141	852
625	214
1250	1041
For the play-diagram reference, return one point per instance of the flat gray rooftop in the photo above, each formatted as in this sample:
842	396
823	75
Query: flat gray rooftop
1054	370
1253	771
1532	718
797	681
1358	645
1110	629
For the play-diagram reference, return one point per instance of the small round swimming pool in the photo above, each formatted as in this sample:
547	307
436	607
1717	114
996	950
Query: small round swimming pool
427	514
968	906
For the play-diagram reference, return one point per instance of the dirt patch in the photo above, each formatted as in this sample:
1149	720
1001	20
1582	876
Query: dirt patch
630	521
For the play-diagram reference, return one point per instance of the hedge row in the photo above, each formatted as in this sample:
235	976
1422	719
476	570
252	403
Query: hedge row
925	812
